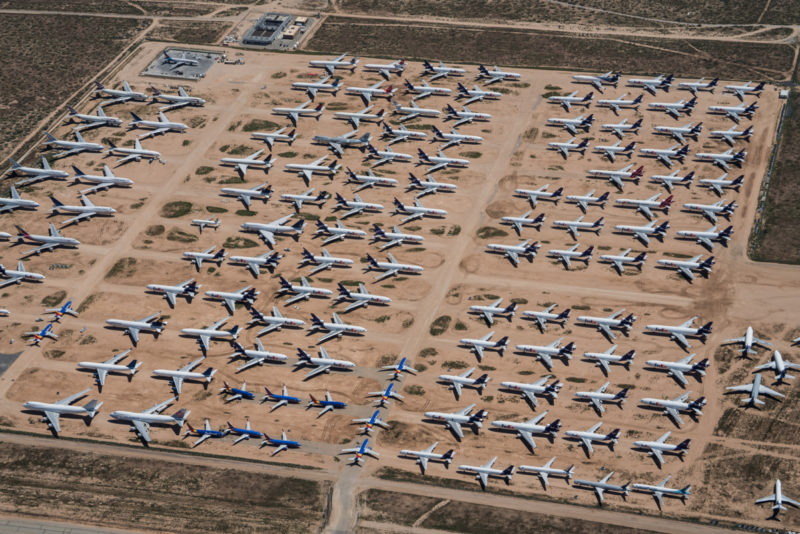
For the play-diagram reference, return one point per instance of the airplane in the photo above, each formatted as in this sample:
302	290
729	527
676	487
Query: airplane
47	243
270	138
53	410
243	433
141	421
427	455
429	186
39	336
674	108
385	70
665	155
571	100
337	232
182	99
457	382
605	359
323	364
327	404
618	177
700	85
621	102
355	206
152	324
547	470
425	90
368	180
527	429
661	490
546	316
686	267
534	195
133	154
282	399
338	143
179	61
606	324
402	133
206	334
337	63
36	174
755	388
619	261
598	396
710	211
646	206
355	118
261	192
440	161
231	393
611	151
742	90
399	368
530	391
659	447
336	328
584	201
394	238
571	254
683	366
359	451
574	227
602	485
386	156
464	116
118	95
476	94
546	353
202	224
454	138
104	182
307	197
323	262
112	365
707	237
680	133
252	160
732	134
672	408
723	159
669	181
496	75
778	499
207	255
453	421
268	231
391	267
524	220
19	275
359	298
599	80
204	433
779	366
312	88
416	211
85	211
590	436
161	126
92	121
483	472
247	296
621	128
186	373
303	291
385	395
73	147
564	148
479	345
681	332
302	110
651	85
643	233
282	444
735	113
58	313
489	312
413	111
256	356
441	70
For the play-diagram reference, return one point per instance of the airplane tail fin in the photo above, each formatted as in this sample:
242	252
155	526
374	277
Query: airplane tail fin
613	436
134	366
180	417
136	118
640	258
623	393
553	427
563	316
569	471
343	291
234	332
209	374
448	456
56	203
298	226
684	445
92	408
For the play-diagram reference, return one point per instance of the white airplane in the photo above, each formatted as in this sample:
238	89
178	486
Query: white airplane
574	227
674	109
441	70
360	450
440	161
247	296
735	113
336	63
643	233
337	232
416	211
598	396
270	138
261	192
274	322
427	455
182	99
303	291
36	174
672	408
565	148
429	186
606	324
256	356
571	100
118	95
335	329
601	486
385	395
186	373
611	151
646	206
605	359
464	116
523	221
85	211
72	147
543	472
453	421
252	160
530	391
489	312
151	324
483	472
207	255
141	421
425	90
19	275
463	380
652	84
742	90
413	111
368	180
401	133
370	423
133	154
312	88
618	177
534	195
51	241
598	80
112	365
621	128
337	144
476	94
723	159
202	224
732	134
687	267
546	353
92	121
454	138
661	490
323	364
707	237
680	133
679	369
657	448
324	261
619	261
187	289
755	389
206	334
681	332
359	298
496	75
302	110
571	254
513	252
355	206
179	61
306	197
268	231
386	156
547	316
53	410
106	181
710	211
778	499
527	429
393	238
479	345
161	126
700	85
616	104
391	267
779	366
665	155
386	69
355	118
669	181
590	436
584	201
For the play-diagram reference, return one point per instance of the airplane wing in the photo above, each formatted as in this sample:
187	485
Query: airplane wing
604	365
267	236
770	498
457	389
678	375
330	335
646	212
52	418
565	260
769	391
319	369
791	502
177	382
680	338
101	376
306	174
527	437
588	444
606	330
531	397
658	455
478	351
672	412
10	281
686	272
170	298
133	333
204	341
546	360
201	440
42	248
143	429
643	237
597	404
230	304
455	426
513	257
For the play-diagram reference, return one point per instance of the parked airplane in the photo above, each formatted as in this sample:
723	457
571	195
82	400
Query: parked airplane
643	233
161	126
355	206
323	262
665	155
386	156
16	202
742	90
571	100
606	324
327	404
527	429
546	353
546	316
598	80
681	332
483	472
401	133
359	451
307	170
282	444
524	220
186	373
207	255
416	211
755	389
179	61
282	399
118	95
605	359
355	118
359	298
151	324
680	133
336	63
513	252
368	180
307	198
476	94
574	227
394	238
38	336
202	224
133	154
616	104
646	206
547	470
778	500
85	211
464	116
679	369
779	367
187	289
53	410
619	261
58	313
590	436
45	242
256	356
699	85
413	111
312	88
659	447
618	177
602	485
140	421
19	275
427	455
244	433
337	232
611	151
270	138
457	382
386	69
584	201
425	90
323	364
735	113
479	345
391	267
337	328
571	254
294	114
496	75
687	267
72	147
104	182
672	408
669	181
565	148
231	393
261	192
429	186
440	161
723	159
652	84
674	109
399	368
303	291
247	296
92	121
494	309
441	70
35	174
204	433
268	231
385	396
453	421
732	134
531	390
182	99
338	143
707	237
661	490
598	396
534	195
206	334
112	365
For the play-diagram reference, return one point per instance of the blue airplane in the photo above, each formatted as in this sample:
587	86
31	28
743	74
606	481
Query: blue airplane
58	313
204	433
243	433
372	422
43	333
327	405
281	444
385	395
236	393
282	400
360	451
399	368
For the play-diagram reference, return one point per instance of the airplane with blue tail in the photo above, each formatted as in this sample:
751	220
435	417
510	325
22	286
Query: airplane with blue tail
399	368
58	313
47	331
280	400
281	444
236	393
327	404
385	395
371	422
204	433
360	451
243	433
